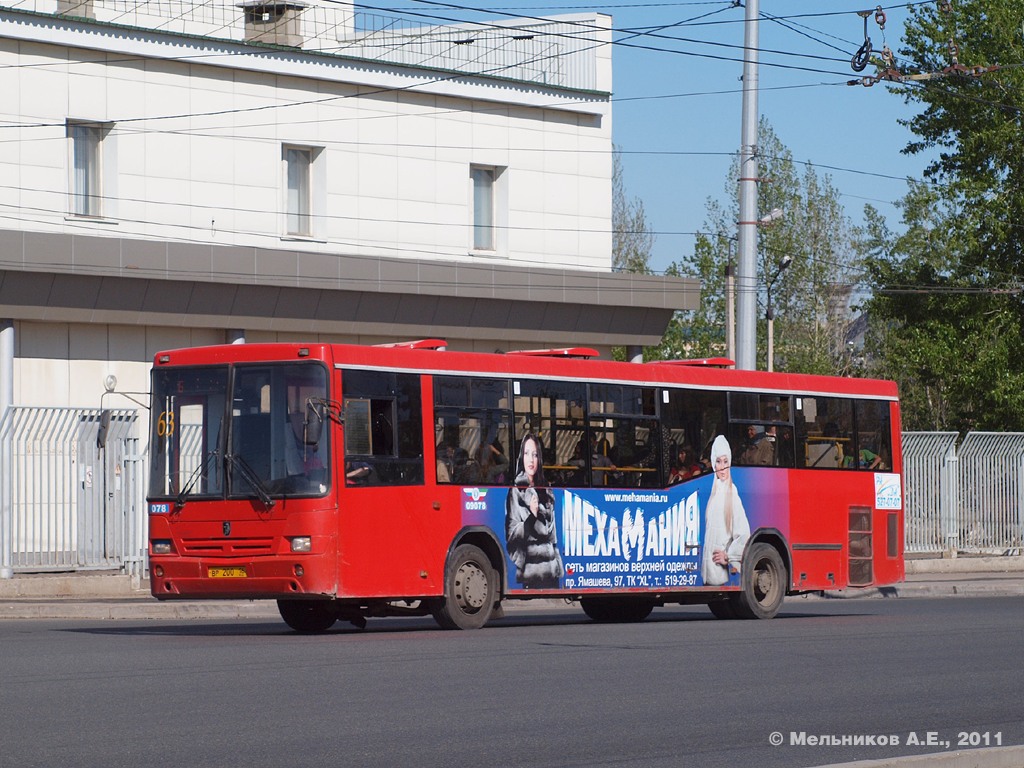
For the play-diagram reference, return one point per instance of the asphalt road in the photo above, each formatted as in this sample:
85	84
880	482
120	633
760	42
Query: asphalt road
538	688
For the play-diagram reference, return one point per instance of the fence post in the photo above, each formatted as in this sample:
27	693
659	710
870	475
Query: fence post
950	501
6	494
6	455
1019	525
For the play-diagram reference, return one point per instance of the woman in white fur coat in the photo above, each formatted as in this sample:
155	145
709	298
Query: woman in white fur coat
726	528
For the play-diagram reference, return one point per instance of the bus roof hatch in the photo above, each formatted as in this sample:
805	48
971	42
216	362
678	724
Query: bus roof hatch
711	362
437	344
581	352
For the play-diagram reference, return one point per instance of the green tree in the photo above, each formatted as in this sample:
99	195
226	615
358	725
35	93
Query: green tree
948	338
812	299
946	314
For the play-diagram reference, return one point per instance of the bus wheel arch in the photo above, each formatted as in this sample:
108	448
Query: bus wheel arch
484	540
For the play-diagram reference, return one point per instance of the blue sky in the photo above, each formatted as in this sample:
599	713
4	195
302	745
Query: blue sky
677	102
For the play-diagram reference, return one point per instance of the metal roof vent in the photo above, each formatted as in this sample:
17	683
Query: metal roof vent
273	23
83	9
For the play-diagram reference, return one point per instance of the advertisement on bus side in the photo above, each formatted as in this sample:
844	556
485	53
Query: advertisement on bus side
688	535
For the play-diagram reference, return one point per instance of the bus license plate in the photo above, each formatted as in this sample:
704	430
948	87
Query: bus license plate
226	573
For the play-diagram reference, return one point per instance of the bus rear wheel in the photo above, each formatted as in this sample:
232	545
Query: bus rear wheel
470	590
611	611
763	581
307	615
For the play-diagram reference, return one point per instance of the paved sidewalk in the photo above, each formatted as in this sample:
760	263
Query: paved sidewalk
115	596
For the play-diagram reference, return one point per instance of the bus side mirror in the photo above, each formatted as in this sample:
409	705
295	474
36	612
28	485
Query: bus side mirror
313	425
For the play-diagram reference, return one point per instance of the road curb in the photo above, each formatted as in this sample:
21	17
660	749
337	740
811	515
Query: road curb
965	565
978	587
987	757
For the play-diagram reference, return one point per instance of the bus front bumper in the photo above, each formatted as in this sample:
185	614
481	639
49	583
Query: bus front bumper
176	578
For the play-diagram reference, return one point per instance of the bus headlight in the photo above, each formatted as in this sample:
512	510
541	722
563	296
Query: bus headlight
302	544
161	546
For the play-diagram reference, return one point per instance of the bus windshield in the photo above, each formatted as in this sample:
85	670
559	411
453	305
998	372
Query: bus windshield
265	440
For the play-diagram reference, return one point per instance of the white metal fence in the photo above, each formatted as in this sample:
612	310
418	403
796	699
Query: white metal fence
929	494
550	52
991	470
964	495
72	491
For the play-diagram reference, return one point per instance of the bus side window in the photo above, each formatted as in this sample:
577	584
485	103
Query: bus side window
383	427
874	449
824	432
471	430
693	418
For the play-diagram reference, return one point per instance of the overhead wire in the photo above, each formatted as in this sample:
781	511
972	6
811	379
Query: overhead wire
413	86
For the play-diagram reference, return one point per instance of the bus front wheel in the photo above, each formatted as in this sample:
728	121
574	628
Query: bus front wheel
307	615
470	590
763	584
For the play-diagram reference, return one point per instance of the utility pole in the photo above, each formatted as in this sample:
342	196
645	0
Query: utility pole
730	308
746	273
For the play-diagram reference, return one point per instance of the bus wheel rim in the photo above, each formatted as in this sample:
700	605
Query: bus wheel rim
764	582
471	587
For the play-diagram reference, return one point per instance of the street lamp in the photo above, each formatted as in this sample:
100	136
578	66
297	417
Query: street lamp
769	313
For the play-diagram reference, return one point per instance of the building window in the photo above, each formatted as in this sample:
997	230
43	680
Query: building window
86	157
483	207
298	198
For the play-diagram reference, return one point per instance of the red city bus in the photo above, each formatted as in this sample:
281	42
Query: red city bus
347	482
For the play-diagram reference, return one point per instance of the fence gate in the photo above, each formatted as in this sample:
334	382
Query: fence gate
70	491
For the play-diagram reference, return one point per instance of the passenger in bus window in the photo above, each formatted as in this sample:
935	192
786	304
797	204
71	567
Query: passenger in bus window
464	470
685	466
530	531
759	448
493	463
726	528
601	465
766	456
577	475
784	456
868	459
358	473
655	456
445	462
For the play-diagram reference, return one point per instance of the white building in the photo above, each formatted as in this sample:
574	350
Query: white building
174	174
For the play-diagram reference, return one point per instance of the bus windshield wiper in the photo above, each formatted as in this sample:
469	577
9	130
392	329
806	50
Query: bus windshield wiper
179	500
252	478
